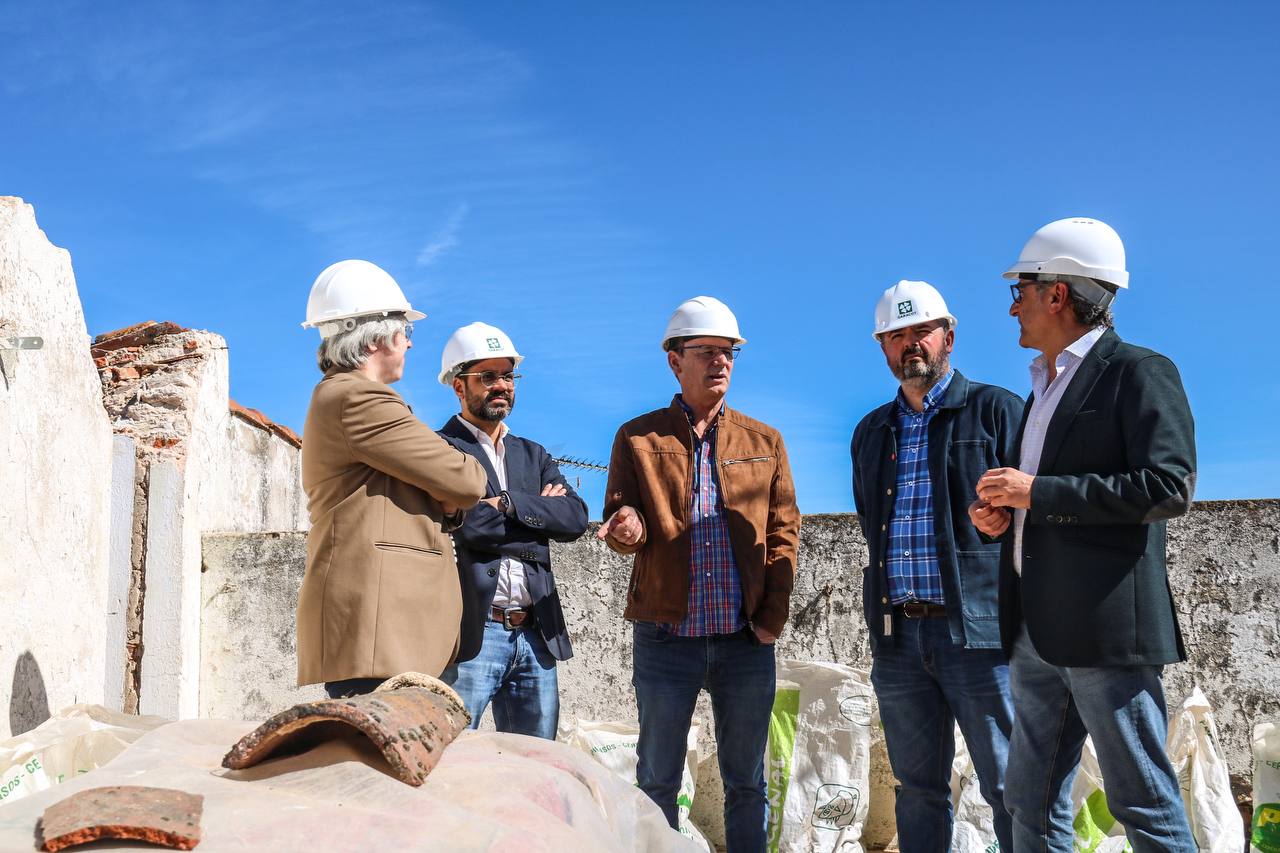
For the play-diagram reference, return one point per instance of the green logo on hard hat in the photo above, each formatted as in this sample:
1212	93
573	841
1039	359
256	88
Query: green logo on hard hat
904	308
493	343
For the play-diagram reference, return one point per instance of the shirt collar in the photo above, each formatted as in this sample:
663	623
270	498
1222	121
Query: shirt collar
932	398
482	436
688	413
1075	351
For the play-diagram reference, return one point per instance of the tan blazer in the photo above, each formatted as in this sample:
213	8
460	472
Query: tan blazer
380	595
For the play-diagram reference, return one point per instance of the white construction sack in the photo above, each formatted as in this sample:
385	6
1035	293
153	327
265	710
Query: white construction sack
77	739
1265	836
614	745
819	757
973	830
1203	777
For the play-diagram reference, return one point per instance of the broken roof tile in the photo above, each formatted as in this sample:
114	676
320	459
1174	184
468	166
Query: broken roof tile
258	419
155	815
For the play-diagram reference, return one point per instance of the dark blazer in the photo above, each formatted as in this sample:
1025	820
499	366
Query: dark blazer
972	432
487	535
1119	459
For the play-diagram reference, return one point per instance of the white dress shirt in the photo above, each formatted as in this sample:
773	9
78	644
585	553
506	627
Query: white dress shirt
1047	396
513	588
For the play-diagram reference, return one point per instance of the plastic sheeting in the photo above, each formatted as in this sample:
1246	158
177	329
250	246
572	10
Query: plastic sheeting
490	791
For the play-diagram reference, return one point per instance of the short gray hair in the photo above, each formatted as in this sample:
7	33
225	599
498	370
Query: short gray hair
349	349
1090	298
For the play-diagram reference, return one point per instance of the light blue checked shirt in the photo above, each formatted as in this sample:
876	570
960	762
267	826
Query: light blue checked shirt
912	549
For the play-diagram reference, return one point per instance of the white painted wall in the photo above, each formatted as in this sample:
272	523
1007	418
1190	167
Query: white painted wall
55	482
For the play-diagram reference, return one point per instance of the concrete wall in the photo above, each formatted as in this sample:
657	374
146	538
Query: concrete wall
55	487
1224	567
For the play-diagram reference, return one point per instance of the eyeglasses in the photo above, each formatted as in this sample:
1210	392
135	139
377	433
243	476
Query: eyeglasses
709	353
1015	290
489	378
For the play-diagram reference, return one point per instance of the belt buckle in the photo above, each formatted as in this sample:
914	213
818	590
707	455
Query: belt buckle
506	617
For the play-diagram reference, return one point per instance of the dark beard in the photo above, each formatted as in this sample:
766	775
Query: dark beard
480	407
925	375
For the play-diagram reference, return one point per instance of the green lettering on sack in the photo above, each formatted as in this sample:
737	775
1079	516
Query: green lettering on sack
782	744
1265	836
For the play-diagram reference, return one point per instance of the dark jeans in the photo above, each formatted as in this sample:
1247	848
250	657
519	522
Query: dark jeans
925	685
1122	708
349	687
668	673
517	673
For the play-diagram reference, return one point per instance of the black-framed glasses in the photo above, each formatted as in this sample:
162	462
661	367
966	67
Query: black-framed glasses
1015	290
489	378
706	352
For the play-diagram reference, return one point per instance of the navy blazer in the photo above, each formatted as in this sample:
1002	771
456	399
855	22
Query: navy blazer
486	536
972	432
1119	459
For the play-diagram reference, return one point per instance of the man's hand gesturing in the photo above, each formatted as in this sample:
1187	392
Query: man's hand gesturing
624	526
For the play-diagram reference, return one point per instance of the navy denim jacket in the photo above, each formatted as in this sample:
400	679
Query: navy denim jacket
974	430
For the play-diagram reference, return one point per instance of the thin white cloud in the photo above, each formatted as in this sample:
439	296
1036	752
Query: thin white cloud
445	238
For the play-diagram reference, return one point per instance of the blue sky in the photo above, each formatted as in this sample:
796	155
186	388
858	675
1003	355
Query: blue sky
572	171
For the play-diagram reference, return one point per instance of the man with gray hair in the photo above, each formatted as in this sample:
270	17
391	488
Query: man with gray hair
1106	455
381	594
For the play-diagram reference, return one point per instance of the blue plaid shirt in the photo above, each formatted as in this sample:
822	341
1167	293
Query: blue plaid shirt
715	591
912	557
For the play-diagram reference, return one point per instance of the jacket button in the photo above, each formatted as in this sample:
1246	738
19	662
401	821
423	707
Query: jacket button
882	564
492	572
888	491
884	600
884	527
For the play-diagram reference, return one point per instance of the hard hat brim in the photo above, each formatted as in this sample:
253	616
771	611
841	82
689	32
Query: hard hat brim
1069	266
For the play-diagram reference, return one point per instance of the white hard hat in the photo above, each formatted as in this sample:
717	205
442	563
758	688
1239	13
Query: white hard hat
475	342
350	289
702	316
1077	246
908	303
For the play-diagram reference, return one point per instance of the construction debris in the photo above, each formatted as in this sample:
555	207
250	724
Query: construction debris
154	815
410	726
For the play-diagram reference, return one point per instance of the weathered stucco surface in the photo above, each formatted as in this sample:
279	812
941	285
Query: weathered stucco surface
55	486
1225	574
248	595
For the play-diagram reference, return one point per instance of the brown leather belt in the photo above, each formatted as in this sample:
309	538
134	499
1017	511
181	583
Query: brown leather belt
920	610
511	617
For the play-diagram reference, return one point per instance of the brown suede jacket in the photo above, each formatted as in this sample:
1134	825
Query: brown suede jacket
651	470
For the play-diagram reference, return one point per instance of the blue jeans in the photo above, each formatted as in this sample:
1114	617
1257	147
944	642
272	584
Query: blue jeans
668	673
516	672
925	685
1122	708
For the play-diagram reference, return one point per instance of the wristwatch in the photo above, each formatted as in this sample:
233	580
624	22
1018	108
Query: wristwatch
504	503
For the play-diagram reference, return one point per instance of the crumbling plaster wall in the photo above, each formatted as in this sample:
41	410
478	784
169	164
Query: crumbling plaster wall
1224	562
55	487
204	464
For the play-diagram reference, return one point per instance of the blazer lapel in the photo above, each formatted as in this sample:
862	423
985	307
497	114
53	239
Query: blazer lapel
1087	374
455	429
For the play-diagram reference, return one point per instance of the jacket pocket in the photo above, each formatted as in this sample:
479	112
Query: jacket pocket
725	463
398	548
979	583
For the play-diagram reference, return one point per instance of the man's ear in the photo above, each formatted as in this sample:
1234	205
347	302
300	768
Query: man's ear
673	361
